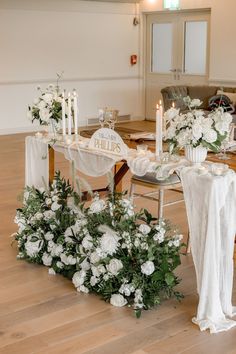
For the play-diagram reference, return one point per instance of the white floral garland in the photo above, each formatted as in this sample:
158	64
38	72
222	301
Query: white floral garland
103	248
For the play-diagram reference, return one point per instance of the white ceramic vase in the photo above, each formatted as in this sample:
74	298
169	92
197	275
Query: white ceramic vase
196	155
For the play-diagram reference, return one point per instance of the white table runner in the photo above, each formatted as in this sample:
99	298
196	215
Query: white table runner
211	209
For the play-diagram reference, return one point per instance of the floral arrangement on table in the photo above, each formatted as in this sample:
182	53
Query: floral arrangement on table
195	128
128	258
47	107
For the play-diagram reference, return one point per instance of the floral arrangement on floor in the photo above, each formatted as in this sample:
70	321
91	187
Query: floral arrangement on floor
195	128
47	107
128	258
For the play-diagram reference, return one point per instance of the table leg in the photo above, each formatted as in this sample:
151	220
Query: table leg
51	153
120	170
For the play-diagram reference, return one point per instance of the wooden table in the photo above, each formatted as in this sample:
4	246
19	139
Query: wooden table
124	129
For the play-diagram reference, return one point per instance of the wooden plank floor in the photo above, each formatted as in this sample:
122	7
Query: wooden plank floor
43	314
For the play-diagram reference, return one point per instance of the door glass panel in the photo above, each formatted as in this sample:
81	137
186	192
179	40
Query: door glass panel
195	47
162	47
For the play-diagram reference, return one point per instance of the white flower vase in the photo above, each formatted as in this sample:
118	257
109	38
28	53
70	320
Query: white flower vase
52	129
196	155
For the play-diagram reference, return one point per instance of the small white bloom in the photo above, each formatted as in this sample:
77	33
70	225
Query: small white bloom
49	214
118	300
85	265
33	247
147	268
87	242
78	278
94	257
144	229
48	236
97	206
83	289
55	206
94	280
59	265
47	259
51	271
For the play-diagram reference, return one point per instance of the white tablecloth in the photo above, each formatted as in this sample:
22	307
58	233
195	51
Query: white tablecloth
90	162
211	209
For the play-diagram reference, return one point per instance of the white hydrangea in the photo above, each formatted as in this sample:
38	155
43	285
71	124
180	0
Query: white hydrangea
109	243
148	268
118	300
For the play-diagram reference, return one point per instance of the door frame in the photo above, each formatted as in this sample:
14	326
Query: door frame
144	16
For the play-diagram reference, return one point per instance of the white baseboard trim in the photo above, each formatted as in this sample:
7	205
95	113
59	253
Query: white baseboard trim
19	130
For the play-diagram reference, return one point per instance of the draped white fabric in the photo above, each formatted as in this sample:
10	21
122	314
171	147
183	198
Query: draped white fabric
211	209
90	162
36	162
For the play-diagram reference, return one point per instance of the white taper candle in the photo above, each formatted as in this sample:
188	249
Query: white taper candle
69	114
63	113
75	106
158	132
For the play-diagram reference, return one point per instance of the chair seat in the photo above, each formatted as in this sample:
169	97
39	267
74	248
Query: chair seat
151	178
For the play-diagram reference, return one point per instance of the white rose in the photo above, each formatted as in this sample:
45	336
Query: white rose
78	278
60	265
171	113
97	206
118	300
210	136
195	103
85	265
51	271
47	97
94	280
87	242
114	266
147	268
83	289
49	214
55	206
71	260
33	247
48	236
94	257
144	229
47	259
197	131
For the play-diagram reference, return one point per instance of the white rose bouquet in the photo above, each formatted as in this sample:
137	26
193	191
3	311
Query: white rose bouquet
106	248
47	107
196	128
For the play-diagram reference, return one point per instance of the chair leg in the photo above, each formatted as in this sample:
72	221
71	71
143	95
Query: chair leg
160	203
188	245
131	192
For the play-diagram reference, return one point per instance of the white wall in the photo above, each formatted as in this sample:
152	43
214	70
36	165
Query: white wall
222	37
91	42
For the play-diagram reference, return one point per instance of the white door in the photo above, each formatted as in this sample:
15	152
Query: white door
177	53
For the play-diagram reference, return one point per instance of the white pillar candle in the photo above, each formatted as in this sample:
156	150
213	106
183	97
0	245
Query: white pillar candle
75	106
69	114
158	131
63	113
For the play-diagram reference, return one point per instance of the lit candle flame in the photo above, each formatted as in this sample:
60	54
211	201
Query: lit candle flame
173	104
157	106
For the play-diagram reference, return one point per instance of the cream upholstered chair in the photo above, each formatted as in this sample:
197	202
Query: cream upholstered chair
149	180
